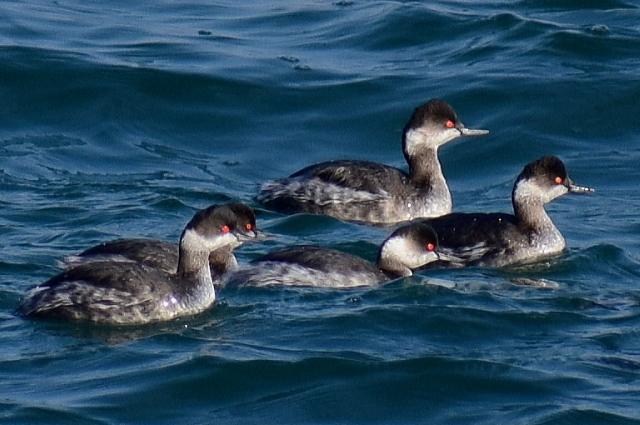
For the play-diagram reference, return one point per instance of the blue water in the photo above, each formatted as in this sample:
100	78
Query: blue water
123	118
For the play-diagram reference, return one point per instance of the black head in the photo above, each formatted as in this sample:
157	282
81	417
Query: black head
420	234
545	178
246	219
431	125
435	112
214	220
549	168
408	248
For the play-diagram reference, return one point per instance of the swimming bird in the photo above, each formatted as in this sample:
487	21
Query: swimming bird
498	239
408	248
129	293
164	255
374	193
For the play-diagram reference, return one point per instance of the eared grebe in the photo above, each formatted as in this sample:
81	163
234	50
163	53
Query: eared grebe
407	248
164	255
375	193
496	239
127	293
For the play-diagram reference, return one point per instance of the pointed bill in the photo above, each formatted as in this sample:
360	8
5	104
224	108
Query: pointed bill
471	132
573	188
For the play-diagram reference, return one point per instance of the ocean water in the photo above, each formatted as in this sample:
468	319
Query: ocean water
121	119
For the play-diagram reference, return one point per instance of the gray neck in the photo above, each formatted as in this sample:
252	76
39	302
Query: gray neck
221	261
425	170
531	216
194	264
388	259
196	289
394	268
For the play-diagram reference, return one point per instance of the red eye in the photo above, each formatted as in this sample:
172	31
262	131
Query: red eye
225	229
449	124
558	180
248	226
430	246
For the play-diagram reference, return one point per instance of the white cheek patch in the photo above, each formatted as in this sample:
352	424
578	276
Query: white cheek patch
525	189
556	192
529	190
407	252
418	138
194	241
394	248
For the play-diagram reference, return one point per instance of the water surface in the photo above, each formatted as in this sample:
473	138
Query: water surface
123	118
